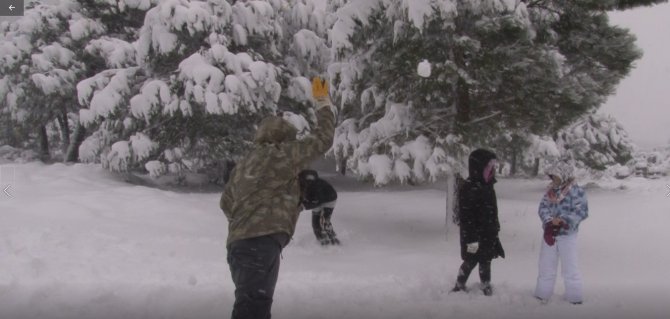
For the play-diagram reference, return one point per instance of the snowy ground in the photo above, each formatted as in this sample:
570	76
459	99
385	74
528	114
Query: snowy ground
77	243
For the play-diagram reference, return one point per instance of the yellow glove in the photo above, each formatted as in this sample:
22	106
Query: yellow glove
320	92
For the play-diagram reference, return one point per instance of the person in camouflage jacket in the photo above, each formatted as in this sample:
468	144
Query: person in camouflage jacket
262	203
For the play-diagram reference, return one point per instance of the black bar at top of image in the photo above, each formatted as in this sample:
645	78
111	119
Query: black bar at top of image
11	8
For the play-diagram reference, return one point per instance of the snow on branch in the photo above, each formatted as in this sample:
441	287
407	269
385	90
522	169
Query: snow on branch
52	56
418	10
93	146
10	55
256	17
310	47
164	23
542	147
116	53
44	17
118	159
300	89
123	154
136	4
377	151
104	93
54	81
348	17
81	27
253	85
202	81
305	14
142	146
152	95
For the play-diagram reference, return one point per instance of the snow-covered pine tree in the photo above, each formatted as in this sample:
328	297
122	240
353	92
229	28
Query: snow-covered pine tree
40	68
186	93
597	141
430	77
411	73
303	53
594	56
162	96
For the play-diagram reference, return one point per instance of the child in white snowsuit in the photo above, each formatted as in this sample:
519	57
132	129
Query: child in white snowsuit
562	208
319	196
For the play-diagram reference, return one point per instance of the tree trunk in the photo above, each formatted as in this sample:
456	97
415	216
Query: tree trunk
10	135
343	166
450	200
462	102
462	89
72	153
514	160
536	167
461	92
64	131
44	144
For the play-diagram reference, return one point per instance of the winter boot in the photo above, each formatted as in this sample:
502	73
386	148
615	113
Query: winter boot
332	237
330	232
324	240
459	287
486	289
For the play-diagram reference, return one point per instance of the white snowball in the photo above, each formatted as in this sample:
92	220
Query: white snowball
424	69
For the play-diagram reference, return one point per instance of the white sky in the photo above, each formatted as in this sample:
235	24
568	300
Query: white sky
641	102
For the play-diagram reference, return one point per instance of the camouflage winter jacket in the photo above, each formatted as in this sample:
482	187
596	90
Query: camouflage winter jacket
262	196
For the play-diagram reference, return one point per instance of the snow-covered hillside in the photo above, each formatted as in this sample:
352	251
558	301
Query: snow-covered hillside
77	243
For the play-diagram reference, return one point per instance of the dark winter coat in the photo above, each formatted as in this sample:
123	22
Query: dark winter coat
479	211
314	190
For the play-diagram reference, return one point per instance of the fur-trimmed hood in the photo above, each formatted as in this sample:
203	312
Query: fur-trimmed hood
275	130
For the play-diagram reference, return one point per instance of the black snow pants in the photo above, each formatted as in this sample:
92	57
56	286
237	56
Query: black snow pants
254	267
467	267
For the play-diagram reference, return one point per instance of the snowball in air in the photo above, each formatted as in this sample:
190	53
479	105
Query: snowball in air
424	69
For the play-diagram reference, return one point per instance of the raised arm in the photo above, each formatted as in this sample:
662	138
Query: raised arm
304	151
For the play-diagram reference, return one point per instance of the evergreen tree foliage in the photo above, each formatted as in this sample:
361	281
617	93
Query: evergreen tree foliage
596	141
184	94
39	69
176	86
411	73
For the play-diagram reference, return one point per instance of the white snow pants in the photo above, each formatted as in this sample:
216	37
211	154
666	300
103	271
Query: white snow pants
565	250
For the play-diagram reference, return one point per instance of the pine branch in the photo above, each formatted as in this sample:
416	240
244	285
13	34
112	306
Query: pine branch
481	119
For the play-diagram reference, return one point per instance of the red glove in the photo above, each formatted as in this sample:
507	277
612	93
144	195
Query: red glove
549	236
551	231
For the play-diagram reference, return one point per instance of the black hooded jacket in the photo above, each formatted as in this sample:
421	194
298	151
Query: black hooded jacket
314	191
479	210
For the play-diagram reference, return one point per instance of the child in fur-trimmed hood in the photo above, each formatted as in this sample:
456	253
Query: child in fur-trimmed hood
479	224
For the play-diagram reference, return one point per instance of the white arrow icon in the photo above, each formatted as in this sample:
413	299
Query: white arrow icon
6	190
11	7
668	186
